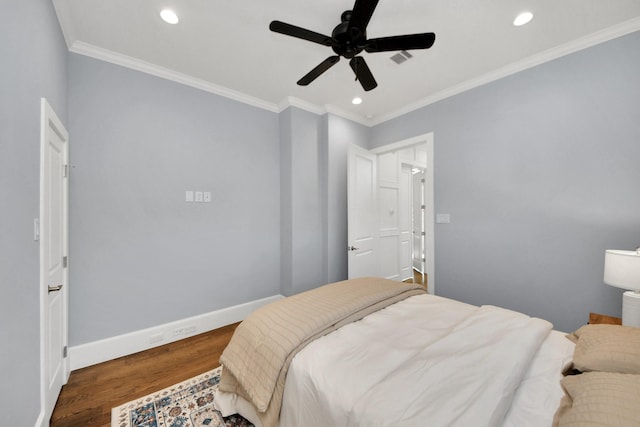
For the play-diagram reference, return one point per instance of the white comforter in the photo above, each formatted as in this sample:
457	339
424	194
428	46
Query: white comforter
423	361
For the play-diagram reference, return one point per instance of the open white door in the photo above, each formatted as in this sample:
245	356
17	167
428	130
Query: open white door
362	219
53	258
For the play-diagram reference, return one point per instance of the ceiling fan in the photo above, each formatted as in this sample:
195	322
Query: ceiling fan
349	38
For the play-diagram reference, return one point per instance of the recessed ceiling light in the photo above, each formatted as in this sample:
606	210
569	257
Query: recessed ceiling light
523	18
356	101
169	16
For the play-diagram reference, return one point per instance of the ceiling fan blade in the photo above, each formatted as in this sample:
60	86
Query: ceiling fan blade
363	73
321	68
406	42
301	33
361	14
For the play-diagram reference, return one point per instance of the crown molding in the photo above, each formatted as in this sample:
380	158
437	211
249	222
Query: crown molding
332	109
106	55
593	39
112	57
291	101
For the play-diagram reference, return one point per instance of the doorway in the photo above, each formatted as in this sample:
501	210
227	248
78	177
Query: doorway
401	248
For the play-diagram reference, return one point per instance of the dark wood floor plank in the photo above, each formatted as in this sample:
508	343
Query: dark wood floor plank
89	395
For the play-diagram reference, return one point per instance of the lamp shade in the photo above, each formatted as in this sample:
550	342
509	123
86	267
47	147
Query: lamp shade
622	269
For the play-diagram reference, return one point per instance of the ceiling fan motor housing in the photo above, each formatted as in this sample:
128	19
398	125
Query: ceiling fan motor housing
351	40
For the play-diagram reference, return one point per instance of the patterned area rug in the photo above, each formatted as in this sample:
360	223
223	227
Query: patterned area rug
187	404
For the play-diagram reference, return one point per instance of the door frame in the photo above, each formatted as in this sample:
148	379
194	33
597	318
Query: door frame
48	120
429	215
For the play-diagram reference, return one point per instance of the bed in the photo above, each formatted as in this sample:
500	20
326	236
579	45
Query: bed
419	357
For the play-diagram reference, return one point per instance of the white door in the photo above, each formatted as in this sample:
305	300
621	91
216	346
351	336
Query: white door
362	222
53	256
389	215
418	221
405	223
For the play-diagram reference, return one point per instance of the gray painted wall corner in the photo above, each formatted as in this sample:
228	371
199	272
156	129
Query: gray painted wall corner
34	66
538	171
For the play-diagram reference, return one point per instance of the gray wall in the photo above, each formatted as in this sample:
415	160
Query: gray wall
303	232
33	66
314	197
539	172
140	255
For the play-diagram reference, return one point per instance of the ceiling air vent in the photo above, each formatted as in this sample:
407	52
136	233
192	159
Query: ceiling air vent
399	58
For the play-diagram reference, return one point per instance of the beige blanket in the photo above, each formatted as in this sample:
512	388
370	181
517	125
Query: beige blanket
256	361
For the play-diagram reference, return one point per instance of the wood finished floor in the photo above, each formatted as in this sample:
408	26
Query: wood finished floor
418	278
87	399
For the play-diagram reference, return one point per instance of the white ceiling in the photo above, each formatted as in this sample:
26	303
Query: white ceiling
226	47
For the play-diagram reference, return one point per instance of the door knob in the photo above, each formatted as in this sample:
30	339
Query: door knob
54	288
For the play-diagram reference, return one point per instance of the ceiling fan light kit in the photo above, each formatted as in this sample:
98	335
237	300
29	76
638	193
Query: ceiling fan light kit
349	38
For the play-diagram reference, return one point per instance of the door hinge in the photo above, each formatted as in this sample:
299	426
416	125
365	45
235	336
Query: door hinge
64	352
423	207
423	180
65	261
65	171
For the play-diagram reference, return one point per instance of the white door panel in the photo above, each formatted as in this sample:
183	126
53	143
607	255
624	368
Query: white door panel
388	208
388	169
53	252
389	214
389	266
362	221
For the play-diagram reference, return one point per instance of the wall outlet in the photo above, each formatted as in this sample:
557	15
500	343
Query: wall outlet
199	196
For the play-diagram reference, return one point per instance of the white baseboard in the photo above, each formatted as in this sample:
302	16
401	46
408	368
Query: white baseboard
92	353
40	422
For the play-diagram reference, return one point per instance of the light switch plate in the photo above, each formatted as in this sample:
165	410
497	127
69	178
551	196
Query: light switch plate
207	196
188	196
443	218
198	196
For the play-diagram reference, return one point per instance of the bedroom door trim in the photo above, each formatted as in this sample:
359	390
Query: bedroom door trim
428	139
